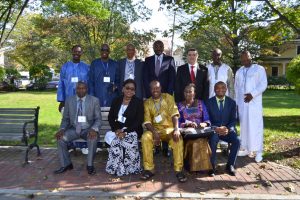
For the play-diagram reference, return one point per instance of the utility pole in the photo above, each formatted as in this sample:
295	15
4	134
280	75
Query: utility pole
173	32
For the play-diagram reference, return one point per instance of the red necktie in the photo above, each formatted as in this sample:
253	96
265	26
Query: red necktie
192	74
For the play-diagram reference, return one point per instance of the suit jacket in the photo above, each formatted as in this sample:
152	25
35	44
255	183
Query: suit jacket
183	78
166	75
134	115
138	76
92	113
97	87
227	117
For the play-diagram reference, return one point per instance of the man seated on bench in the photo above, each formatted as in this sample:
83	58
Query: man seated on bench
161	120
222	115
81	119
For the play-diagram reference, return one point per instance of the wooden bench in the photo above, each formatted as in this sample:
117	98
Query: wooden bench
20	124
105	127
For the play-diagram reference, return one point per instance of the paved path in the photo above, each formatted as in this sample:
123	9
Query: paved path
253	181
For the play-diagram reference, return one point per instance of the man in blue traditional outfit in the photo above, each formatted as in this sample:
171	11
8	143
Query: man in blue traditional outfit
70	74
103	78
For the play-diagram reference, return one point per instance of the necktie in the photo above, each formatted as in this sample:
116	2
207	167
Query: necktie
79	113
157	66
221	105
193	77
130	68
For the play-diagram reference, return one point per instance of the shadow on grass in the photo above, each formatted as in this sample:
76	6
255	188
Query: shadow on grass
46	134
281	99
282	123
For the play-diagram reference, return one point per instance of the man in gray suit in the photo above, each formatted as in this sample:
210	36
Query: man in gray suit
81	119
131	68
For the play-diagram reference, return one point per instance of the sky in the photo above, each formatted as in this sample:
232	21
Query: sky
159	20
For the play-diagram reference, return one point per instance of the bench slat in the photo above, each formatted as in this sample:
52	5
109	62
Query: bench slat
18	112
14	121
23	117
11	137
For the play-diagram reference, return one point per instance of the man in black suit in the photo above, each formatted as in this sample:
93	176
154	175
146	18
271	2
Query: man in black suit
191	72
222	115
131	68
159	67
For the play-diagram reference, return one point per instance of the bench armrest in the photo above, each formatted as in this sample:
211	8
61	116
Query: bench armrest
27	133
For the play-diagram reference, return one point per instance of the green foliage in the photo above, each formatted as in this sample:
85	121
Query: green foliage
2	73
12	74
236	25
41	74
47	38
278	82
293	73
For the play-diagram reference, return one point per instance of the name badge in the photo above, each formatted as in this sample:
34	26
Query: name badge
74	79
106	79
158	119
121	119
82	119
131	76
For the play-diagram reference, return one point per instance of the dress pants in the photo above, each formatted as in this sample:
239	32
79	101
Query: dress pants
69	136
165	135
232	138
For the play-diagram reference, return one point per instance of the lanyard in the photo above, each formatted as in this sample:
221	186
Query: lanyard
245	71
216	69
105	68
157	108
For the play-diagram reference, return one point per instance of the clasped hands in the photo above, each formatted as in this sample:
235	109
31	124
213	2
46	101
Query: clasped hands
120	134
222	130
92	134
194	125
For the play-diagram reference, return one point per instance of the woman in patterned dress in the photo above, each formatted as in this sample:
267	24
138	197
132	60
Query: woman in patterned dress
125	117
193	114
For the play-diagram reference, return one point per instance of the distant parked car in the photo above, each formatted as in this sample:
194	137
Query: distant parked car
32	86
52	85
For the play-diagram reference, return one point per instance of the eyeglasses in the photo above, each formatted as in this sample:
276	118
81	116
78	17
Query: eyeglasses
130	88
107	50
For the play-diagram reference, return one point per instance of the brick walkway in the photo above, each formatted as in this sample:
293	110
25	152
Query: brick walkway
251	179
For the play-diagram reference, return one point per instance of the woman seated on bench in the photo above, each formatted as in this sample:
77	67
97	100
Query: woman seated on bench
125	117
193	114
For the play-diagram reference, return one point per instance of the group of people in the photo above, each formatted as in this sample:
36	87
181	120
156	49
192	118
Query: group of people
166	102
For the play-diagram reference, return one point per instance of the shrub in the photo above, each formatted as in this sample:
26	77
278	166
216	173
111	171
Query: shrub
41	74
293	73
278	82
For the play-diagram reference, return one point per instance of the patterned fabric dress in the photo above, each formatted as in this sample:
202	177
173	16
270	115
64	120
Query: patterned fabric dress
196	152
123	154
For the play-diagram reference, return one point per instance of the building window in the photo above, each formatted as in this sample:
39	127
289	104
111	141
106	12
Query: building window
298	50
274	71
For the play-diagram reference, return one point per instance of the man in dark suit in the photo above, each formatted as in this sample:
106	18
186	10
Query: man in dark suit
131	68
192	72
159	67
222	114
81	119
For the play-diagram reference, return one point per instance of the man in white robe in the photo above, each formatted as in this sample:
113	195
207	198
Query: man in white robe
219	71
250	83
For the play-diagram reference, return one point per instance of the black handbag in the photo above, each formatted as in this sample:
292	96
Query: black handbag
192	133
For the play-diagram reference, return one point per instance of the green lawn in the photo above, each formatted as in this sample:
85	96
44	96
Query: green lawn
281	111
49	118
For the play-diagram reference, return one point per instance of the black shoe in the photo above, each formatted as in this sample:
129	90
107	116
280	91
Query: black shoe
181	177
91	170
63	169
211	173
230	170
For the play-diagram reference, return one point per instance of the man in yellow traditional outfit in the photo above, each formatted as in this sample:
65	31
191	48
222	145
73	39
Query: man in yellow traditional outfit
161	120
